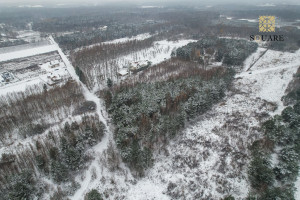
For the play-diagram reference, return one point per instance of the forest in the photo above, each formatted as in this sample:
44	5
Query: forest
35	110
230	52
147	115
52	142
59	157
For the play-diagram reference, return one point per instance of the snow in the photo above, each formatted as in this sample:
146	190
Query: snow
249	20
272	69
123	72
267	5
126	39
146	189
20	86
120	40
297	185
26	52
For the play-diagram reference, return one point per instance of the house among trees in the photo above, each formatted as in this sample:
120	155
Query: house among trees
122	72
139	66
103	28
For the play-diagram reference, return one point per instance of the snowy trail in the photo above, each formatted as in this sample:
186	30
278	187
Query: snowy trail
88	183
97	166
88	95
256	72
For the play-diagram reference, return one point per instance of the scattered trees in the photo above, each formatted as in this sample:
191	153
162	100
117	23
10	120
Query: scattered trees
273	179
27	111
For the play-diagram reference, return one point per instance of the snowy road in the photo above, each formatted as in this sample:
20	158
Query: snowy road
97	166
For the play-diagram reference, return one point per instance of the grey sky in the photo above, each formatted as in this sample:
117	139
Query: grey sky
100	2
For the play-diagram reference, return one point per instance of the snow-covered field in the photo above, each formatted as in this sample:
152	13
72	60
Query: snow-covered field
26	52
120	40
126	39
160	51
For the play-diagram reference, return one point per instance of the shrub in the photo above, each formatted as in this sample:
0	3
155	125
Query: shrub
260	173
22	186
229	198
93	195
278	193
59	171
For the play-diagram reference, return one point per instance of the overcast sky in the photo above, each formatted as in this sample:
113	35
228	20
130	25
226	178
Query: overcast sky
148	2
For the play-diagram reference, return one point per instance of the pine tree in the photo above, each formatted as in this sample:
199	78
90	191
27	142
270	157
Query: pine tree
109	83
93	195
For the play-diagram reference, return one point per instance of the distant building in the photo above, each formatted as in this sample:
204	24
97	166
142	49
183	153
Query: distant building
54	78
123	72
139	66
7	77
54	63
103	28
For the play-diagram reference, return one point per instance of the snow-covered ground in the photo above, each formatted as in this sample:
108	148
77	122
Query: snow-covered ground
160	51
120	40
26	52
209	159
20	86
297	185
126	39
249	20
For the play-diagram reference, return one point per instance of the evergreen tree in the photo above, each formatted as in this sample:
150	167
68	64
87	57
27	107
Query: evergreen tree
93	195
260	173
23	186
109	83
80	74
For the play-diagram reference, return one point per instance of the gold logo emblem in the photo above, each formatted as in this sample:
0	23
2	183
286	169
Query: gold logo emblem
266	23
